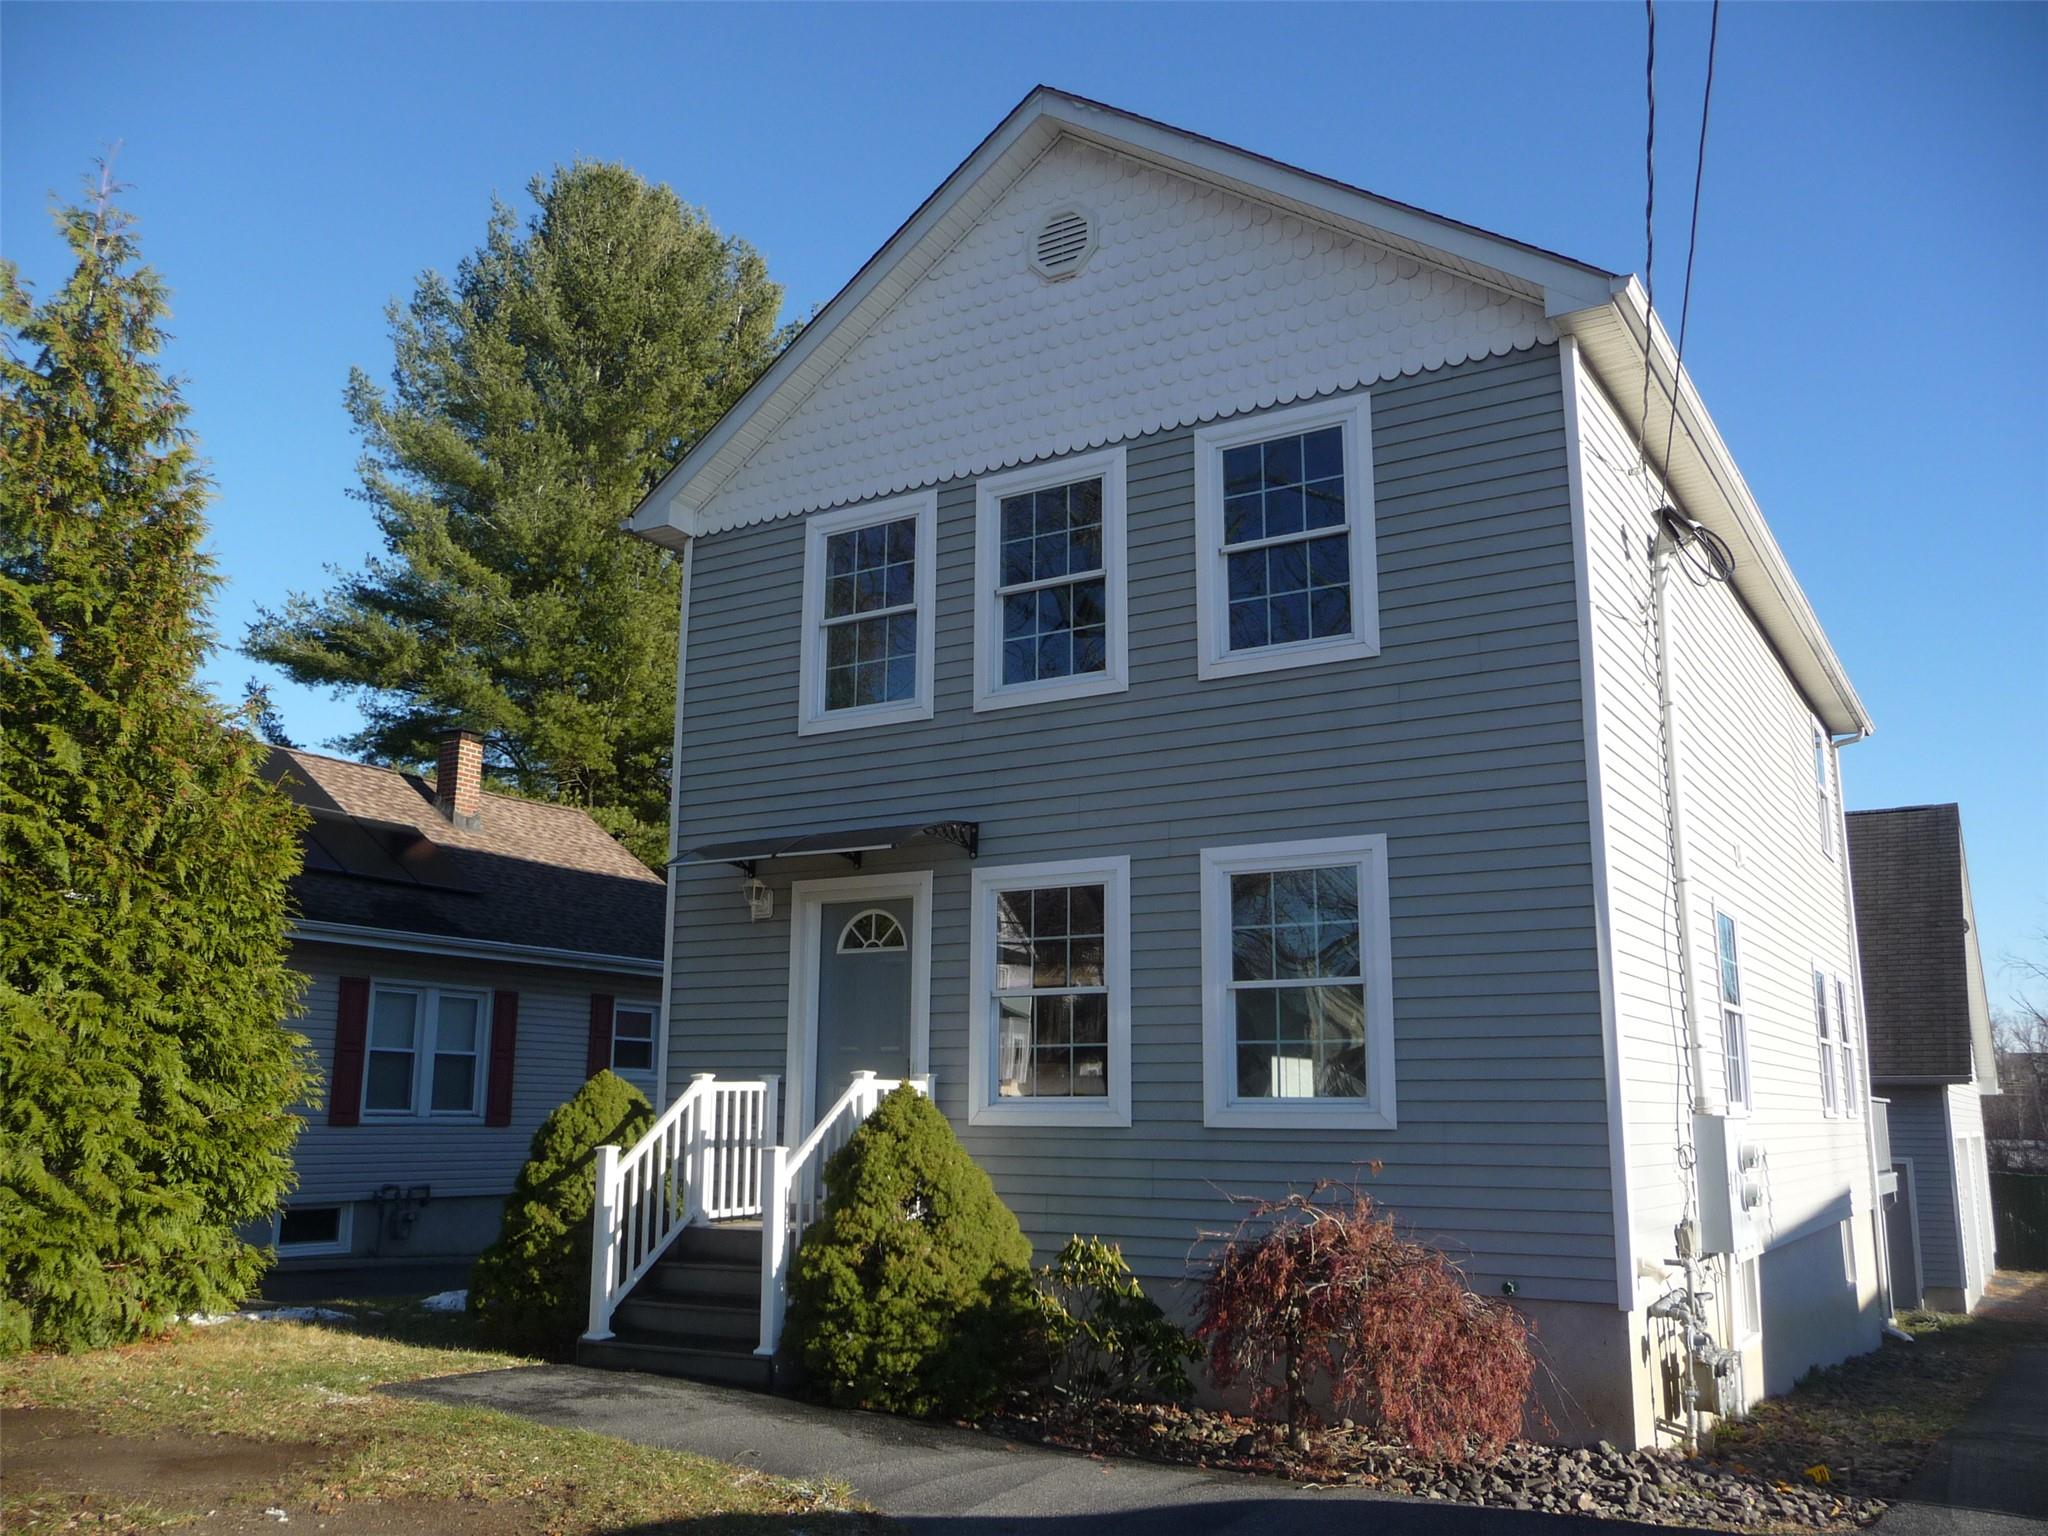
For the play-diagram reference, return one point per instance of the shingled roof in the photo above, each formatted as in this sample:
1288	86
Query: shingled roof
380	854
1923	979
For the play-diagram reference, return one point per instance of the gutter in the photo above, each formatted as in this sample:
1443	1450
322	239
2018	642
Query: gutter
459	948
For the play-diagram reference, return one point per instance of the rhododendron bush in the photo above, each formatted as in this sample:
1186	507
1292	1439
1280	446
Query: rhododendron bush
1320	1291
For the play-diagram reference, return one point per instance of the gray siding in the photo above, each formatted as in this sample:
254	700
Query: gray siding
1463	742
1919	1124
455	1157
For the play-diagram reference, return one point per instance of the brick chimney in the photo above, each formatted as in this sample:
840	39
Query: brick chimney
459	777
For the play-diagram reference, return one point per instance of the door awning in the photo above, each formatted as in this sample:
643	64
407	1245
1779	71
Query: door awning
848	842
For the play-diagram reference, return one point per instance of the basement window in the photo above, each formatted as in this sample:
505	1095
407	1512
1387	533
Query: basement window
304	1230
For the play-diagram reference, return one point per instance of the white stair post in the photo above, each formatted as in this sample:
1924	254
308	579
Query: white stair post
698	1200
774	1244
604	1210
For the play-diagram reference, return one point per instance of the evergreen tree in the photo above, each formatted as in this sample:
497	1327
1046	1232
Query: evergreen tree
146	1077
534	401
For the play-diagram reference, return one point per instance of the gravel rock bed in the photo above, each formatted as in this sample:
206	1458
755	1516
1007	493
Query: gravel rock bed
1656	1487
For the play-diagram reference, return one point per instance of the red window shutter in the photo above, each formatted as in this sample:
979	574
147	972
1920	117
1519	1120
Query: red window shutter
600	1057
504	1049
351	1027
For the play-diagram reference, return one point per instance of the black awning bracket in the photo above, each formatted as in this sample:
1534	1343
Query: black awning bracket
849	843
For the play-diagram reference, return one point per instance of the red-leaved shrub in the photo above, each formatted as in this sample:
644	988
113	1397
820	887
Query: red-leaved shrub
1308	1288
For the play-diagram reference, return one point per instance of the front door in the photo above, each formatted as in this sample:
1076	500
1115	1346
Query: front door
864	950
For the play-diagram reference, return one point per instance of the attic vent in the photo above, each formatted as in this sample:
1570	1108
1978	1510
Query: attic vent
1063	244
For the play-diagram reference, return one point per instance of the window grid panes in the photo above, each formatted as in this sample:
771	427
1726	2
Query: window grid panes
1734	1028
871	931
633	1040
1824	1025
1286	540
1845	1041
1297	988
1051	993
870	614
1823	800
457	1035
388	1070
1051	584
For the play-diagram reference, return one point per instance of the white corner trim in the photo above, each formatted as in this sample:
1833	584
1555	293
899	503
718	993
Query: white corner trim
1220	1105
806	934
812	716
309	932
984	1105
990	692
1613	1045
1214	658
675	832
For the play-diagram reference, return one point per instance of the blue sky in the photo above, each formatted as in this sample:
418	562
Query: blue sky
1868	314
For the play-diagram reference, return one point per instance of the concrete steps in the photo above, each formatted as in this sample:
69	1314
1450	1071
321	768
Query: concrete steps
696	1313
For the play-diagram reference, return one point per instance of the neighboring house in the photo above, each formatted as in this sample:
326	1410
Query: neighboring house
1173	654
473	958
1931	1052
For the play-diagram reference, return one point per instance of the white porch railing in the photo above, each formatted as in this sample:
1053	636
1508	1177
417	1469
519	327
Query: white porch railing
793	1188
702	1160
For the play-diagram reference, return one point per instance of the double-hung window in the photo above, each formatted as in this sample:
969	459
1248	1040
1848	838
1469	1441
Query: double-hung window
1845	1048
868	615
1297	985
633	1038
1050	1030
1734	1022
1825	1020
1824	788
425	1052
1287	573
1049	606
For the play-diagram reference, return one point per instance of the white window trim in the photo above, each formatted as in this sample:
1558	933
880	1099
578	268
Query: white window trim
1841	1003
990	692
985	1105
1827	1044
425	1032
1220	1104
812	716
1214	658
1748	1324
1826	787
653	1010
1715	912
344	1238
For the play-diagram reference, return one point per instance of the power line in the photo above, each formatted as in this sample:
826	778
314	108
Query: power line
1692	244
1649	237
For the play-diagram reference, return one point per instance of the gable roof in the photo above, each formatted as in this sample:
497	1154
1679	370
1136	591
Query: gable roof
381	856
1923	978
1606	315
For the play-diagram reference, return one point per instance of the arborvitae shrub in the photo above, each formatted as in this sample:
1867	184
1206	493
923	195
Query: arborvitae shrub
912	1290
1312	1294
148	1073
530	1290
1109	1339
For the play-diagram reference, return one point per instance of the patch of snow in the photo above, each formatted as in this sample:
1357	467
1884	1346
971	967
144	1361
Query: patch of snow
296	1315
208	1319
447	1301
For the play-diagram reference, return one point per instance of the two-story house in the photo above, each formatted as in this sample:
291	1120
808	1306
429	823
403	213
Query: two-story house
1239	681
472	959
1931	1051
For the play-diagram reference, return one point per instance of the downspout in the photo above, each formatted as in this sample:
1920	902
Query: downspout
675	832
1840	830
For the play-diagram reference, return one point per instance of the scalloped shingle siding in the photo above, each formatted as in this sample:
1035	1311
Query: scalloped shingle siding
1197	303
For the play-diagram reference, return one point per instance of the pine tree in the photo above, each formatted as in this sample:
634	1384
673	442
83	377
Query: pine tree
146	1077
534	401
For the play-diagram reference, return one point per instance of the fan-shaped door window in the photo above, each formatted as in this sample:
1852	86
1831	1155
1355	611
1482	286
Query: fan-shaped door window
871	932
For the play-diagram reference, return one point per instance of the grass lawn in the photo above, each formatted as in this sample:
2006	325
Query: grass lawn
215	1426
1872	1420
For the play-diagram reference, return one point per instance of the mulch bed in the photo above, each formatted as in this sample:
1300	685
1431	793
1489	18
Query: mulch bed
1658	1487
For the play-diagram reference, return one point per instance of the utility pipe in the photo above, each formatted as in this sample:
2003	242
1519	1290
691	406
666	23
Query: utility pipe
1664	552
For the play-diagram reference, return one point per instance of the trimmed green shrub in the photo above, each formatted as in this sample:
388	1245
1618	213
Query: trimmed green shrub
912	1291
530	1291
1109	1339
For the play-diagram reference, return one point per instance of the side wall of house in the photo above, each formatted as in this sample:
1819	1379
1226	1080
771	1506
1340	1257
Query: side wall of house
1754	848
1973	1181
467	1166
1462	742
1920	1132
